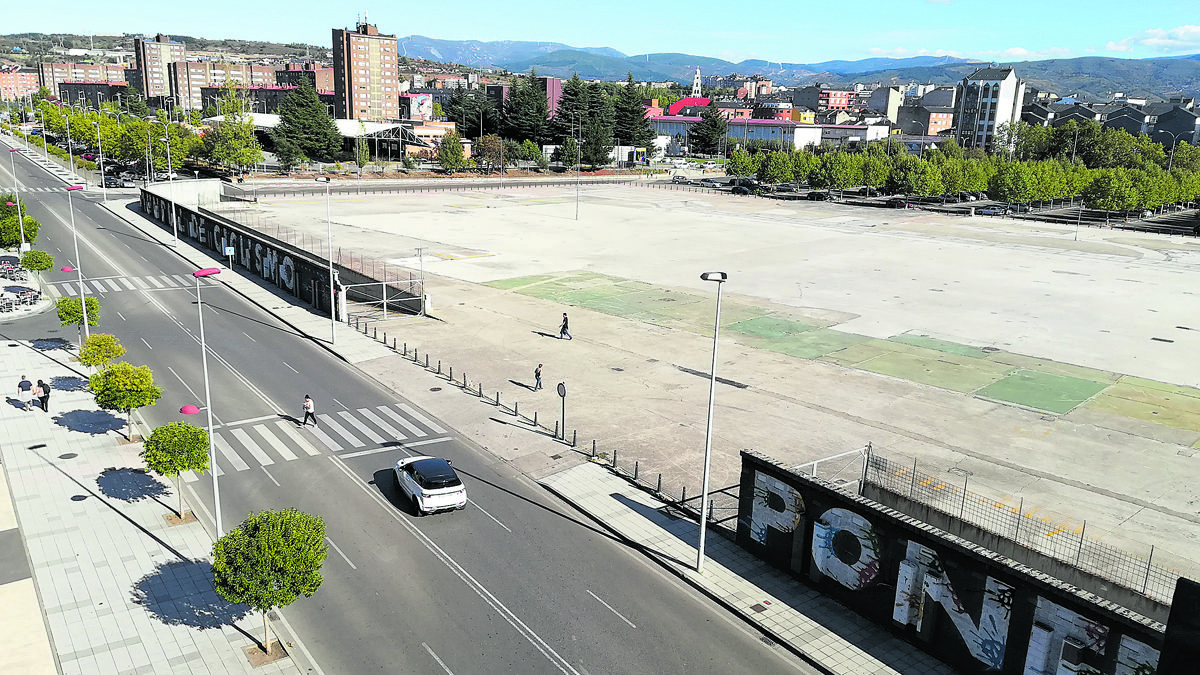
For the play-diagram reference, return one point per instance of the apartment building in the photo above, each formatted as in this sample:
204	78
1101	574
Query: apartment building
552	88
365	78
320	77
16	82
821	99
51	75
91	93
260	99
152	59
188	79
987	99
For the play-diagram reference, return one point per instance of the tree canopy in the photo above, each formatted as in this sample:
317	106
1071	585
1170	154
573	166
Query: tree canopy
124	387
305	127
174	448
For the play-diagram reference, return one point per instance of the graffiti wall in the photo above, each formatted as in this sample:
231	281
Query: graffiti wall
970	607
300	275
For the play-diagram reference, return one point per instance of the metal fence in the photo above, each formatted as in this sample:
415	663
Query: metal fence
953	497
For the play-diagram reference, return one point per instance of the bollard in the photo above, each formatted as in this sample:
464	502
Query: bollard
405	349
635	469
481	389
385	338
659	488
614	463
684	499
464	380
426	359
393	344
439	367
375	335
497	399
711	503
414	354
451	373
517	408
556	428
593	448
574	437
535	418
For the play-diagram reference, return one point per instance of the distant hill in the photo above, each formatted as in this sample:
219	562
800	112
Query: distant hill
484	54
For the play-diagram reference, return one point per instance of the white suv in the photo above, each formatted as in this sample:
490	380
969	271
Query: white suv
431	484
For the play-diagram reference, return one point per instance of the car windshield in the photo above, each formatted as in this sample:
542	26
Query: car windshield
434	474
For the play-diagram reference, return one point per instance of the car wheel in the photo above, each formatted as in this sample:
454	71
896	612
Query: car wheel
416	504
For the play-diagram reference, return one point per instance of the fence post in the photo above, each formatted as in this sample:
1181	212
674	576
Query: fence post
913	485
414	354
517	408
683	499
1020	510
497	399
405	352
963	505
385	338
1146	582
375	336
1079	551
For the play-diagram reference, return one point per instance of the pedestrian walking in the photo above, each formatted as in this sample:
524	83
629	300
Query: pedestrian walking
25	393
310	410
562	330
42	392
537	377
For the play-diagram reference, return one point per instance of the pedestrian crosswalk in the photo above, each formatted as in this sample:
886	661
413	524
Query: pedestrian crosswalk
103	285
262	442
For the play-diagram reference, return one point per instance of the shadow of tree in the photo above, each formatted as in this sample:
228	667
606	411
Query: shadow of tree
181	593
90	421
130	485
69	383
46	344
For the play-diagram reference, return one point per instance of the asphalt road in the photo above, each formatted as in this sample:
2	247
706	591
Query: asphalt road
517	582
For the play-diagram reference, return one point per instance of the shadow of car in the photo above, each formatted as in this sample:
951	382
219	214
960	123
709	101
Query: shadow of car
819	196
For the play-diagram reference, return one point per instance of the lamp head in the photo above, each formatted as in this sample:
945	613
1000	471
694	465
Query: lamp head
68	268
206	272
718	277
72	188
189	409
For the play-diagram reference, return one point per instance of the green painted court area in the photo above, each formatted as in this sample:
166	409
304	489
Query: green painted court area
1042	391
993	374
1151	401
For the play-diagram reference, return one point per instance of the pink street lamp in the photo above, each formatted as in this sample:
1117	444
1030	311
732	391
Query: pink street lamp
192	410
75	237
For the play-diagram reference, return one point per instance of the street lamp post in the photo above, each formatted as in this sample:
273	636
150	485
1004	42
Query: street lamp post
719	278
1174	143
78	270
170	175
45	143
100	148
190	410
329	237
71	147
17	196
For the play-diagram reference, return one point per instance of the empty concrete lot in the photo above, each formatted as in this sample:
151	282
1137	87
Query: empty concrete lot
1045	364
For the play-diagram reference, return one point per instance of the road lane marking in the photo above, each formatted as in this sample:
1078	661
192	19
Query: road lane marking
335	547
122	316
435	658
610	608
250	445
362	453
128	284
112	283
508	615
248	337
154	282
288	429
230	456
337	429
290	368
277	445
146	343
396	433
387	410
353	422
325	439
421	418
270	476
484	511
404	446
252	420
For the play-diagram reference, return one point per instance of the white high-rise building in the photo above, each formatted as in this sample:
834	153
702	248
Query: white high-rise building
987	98
696	84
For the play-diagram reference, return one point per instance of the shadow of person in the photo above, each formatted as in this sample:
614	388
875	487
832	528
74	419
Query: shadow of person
522	384
90	421
543	334
130	485
290	418
17	403
181	593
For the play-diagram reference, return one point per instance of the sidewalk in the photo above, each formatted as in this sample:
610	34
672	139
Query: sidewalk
803	620
120	590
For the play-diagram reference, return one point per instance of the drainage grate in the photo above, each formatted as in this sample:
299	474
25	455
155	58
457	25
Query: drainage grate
758	608
555	456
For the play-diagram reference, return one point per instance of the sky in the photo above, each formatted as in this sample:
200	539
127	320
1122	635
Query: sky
1017	30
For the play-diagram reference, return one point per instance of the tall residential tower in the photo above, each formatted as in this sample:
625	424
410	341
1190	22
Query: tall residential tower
365	80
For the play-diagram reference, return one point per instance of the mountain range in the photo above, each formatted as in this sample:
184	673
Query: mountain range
1088	77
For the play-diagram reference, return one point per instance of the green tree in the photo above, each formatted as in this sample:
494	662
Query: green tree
631	126
270	560
776	168
526	112
10	230
803	165
875	168
288	154
1012	182
837	171
597	143
1112	190
488	151
572	110
740	164
450	151
567	153
437	110
305	124
914	176
706	135
70	313
125	387
99	349
408	161
472	113
232	143
37	261
174	448
362	149
953	178
951	149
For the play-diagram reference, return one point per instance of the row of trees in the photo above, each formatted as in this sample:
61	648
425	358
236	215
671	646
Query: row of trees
938	171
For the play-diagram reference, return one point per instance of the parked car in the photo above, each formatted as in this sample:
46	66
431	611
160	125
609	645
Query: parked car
819	196
867	191
740	190
994	211
710	164
785	187
166	175
1018	208
708	183
113	182
431	484
89	156
745	182
682	180
897	203
967	196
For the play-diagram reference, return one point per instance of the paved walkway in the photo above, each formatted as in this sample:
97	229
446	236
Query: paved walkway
121	591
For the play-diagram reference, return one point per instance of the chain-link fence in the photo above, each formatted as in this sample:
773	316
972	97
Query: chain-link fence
953	497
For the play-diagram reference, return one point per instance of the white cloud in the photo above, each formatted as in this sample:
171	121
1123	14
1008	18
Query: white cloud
1178	40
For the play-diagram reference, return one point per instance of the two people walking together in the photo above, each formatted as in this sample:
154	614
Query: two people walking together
27	392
